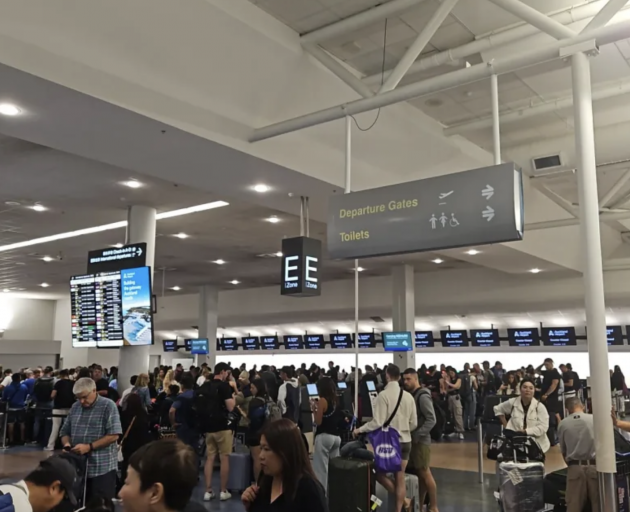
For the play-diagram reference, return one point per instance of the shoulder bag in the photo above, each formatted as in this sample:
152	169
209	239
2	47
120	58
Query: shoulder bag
386	444
122	442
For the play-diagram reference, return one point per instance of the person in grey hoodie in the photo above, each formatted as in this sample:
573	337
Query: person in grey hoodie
421	438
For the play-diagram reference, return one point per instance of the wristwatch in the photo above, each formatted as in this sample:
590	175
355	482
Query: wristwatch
91	447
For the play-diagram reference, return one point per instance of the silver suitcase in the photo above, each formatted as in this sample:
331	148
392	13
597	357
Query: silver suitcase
412	492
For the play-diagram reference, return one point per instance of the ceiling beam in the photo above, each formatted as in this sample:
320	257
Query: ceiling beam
508	64
360	20
416	48
563	203
608	91
496	39
614	190
562	223
536	18
338	69
606	14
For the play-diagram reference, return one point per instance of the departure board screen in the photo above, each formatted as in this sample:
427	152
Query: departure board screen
251	343
485	338
367	340
341	341
424	339
269	342
314	341
523	337
454	338
293	342
558	336
227	344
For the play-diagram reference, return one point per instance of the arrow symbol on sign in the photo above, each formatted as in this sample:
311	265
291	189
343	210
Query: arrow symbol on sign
488	213
487	192
139	252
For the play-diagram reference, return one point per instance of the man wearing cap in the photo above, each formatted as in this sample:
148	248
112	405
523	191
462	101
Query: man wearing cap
43	489
92	428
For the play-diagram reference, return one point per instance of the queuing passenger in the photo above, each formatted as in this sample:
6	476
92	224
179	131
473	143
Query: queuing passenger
404	422
571	381
161	478
257	416
102	385
550	389
29	380
421	438
135	425
289	396
618	388
132	380
159	380
181	413
7	379
577	443
43	489
141	388
328	419
288	482
15	395
527	416
42	399
205	375
453	384
468	396
63	398
510	385
93	427
169	379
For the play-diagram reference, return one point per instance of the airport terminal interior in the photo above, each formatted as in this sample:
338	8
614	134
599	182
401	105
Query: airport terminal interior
277	183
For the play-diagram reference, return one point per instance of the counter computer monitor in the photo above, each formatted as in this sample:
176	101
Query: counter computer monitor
370	385
342	385
312	390
200	346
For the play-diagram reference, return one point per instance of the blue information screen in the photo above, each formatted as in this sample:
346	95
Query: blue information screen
135	286
454	338
293	342
341	341
200	346
314	341
251	343
397	341
228	344
424	339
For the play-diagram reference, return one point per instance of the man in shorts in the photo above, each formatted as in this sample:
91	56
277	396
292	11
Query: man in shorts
420	458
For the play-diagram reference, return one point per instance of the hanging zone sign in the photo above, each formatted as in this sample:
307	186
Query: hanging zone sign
477	207
301	260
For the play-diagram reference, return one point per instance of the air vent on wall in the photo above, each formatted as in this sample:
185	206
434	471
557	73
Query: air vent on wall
377	319
548	163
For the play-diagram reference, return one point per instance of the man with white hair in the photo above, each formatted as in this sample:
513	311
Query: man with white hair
92	428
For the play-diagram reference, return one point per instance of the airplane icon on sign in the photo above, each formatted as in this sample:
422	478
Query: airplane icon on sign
444	195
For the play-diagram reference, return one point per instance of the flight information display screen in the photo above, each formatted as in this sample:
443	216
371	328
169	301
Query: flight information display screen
269	342
314	341
188	344
367	340
524	337
454	338
228	344
341	341
112	309
614	335
170	345
200	346
251	343
424	339
397	341
558	336
293	342
485	338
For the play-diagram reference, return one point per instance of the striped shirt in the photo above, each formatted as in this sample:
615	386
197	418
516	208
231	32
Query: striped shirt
86	425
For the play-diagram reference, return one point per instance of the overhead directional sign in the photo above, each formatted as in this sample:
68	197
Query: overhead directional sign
117	258
482	206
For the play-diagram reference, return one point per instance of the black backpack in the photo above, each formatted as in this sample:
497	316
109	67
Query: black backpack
207	407
292	402
43	389
441	424
465	389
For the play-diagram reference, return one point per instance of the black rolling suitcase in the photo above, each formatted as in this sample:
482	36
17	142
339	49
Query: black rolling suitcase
80	464
351	485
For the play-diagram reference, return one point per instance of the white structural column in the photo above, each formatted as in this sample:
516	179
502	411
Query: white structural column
404	312
593	280
140	228
208	321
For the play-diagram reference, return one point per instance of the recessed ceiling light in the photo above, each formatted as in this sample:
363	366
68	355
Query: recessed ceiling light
6	290
473	252
261	188
113	225
181	236
360	269
175	288
8	109
535	271
437	261
279	254
273	219
132	184
39	208
234	281
47	259
219	262
44	285
118	246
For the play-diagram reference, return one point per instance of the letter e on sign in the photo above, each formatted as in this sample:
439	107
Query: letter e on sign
289	268
300	267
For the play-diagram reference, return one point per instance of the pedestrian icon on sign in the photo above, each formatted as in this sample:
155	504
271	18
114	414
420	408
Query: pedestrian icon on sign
433	221
454	222
443	220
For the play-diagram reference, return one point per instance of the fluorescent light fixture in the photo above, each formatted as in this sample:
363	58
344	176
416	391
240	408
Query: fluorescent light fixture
6	290
47	259
437	261
44	285
472	252
279	254
261	188
39	208
175	288
118	246
132	184
535	271
273	219
109	227
234	281
181	236
219	262
8	109
360	269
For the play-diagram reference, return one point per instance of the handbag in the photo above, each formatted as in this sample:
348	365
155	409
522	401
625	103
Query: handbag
386	444
495	447
120	446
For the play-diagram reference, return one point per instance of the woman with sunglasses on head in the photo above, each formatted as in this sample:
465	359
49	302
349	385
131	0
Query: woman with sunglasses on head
287	483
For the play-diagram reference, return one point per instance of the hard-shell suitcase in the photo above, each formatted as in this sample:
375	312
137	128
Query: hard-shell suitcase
351	485
240	477
521	486
389	500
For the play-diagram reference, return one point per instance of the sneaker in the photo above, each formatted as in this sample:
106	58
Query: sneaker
461	437
209	495
33	443
49	449
225	496
117	501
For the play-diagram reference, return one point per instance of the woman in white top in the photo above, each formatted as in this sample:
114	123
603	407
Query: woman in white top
510	385
527	415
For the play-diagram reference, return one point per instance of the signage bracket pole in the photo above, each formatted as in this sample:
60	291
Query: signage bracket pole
496	127
348	182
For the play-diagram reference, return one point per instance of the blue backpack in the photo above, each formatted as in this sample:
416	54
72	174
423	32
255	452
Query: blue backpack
6	503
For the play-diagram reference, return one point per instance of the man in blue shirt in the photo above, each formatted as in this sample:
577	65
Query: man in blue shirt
30	381
15	395
181	413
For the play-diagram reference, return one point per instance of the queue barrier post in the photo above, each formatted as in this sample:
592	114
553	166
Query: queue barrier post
480	450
